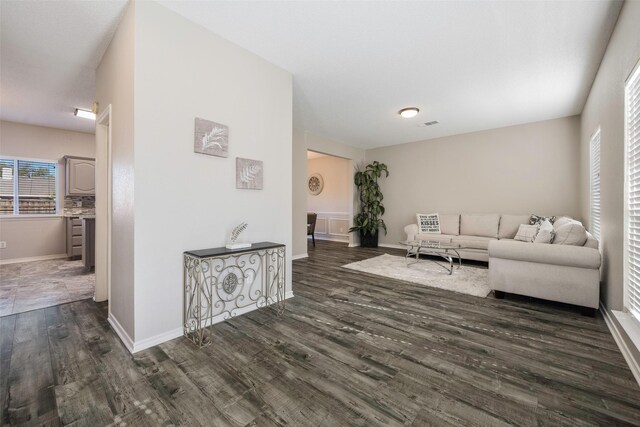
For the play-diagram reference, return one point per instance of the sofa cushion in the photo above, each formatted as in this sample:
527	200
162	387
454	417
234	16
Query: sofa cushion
428	223
571	256
484	225
509	225
472	242
526	233
591	242
450	224
570	234
442	238
545	233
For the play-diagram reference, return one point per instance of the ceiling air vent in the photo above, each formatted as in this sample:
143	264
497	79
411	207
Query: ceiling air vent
424	125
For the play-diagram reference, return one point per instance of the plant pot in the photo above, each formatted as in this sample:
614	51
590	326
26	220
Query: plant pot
369	240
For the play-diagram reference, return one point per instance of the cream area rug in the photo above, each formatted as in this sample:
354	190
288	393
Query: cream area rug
466	280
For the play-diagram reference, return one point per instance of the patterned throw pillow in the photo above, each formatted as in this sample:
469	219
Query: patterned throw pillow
527	233
537	219
546	233
429	223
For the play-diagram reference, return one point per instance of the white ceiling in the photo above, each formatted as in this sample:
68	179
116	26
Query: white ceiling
469	65
50	51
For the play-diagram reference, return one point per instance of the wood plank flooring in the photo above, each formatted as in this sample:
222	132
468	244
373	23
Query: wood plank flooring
351	349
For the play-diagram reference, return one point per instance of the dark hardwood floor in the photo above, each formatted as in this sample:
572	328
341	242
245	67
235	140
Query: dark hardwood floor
351	349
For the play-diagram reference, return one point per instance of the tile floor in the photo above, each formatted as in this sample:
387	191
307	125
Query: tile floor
39	284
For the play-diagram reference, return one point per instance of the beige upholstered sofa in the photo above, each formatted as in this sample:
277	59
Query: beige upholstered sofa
564	273
472	231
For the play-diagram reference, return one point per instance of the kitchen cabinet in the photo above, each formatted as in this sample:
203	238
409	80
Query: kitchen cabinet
89	242
80	176
74	237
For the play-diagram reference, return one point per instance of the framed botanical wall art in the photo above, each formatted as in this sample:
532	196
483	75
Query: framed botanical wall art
249	174
211	138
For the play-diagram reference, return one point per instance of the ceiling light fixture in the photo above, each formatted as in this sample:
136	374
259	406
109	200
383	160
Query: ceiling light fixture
85	114
409	112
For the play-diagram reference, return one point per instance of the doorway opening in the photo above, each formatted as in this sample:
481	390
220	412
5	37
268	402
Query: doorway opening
104	207
329	198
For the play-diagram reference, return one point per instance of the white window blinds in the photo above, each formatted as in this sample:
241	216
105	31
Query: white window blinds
595	184
27	187
632	181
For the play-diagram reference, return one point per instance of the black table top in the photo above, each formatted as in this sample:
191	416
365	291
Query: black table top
212	252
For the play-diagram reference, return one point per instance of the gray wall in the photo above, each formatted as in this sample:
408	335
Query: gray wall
605	108
114	85
185	200
530	168
43	236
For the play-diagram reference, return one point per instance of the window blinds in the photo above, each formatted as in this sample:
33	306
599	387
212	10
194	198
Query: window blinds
27	187
632	232
595	184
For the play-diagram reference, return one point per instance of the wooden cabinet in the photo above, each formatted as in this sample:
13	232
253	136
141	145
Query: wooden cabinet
74	237
80	176
89	242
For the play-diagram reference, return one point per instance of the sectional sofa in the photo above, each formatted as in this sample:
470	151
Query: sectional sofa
557	272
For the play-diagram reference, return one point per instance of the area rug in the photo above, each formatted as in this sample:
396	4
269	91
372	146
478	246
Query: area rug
466	280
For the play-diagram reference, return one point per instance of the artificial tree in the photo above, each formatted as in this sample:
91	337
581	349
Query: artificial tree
368	222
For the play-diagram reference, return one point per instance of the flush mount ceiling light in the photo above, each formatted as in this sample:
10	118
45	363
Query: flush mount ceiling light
409	112
85	114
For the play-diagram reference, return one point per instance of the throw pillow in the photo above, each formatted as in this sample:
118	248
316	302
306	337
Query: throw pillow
429	223
564	220
526	233
537	219
570	234
545	233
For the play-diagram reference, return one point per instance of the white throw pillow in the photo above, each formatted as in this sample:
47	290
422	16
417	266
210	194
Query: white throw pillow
570	234
526	233
428	223
564	220
545	233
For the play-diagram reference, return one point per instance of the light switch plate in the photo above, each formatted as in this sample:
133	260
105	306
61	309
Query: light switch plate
3	245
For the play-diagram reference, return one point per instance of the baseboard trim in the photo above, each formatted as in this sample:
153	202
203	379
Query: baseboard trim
122	334
634	366
391	245
332	239
157	339
136	346
354	245
33	258
299	256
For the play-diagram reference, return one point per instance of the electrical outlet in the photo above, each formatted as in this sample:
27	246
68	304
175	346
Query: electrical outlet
3	245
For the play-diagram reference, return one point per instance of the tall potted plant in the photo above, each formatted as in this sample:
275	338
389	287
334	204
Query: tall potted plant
368	222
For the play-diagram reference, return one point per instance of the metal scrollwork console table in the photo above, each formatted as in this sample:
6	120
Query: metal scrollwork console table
220	283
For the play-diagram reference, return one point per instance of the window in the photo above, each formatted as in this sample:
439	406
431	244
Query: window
595	184
32	190
632	196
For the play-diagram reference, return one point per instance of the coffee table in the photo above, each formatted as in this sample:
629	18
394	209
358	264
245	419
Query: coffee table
446	251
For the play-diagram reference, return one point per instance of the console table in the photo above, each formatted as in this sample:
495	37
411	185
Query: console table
220	283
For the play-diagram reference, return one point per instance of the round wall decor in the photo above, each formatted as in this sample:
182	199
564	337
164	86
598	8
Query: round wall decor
315	184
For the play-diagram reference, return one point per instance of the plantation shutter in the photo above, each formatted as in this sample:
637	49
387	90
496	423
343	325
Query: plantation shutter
632	231
595	184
